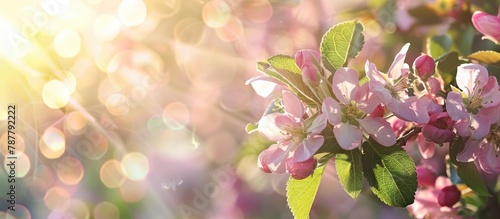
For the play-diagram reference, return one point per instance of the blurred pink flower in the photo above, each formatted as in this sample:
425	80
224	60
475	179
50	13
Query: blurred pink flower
288	129
469	108
349	117
391	90
487	24
425	176
427	205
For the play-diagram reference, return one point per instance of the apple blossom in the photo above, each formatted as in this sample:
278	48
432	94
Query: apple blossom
295	140
391	89
424	66
301	170
349	115
439	129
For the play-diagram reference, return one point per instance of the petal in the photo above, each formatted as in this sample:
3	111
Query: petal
377	83
471	77
332	110
397	67
402	110
264	86
307	57
286	123
490	93
292	104
267	127
308	147
276	160
419	106
455	106
462	127
480	125
318	124
486	24
345	84
426	148
469	153
379	129
366	100
348	136
442	182
488	160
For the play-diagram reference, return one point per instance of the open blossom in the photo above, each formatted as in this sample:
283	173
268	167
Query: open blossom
294	140
349	116
488	148
469	108
487	24
391	90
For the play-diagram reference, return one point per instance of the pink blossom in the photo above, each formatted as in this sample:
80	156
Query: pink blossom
448	196
487	24
294	140
439	129
489	147
426	148
349	115
427	205
391	90
469	108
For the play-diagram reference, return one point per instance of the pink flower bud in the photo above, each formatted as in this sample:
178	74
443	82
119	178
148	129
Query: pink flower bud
301	170
439	129
448	196
310	75
424	65
307	57
425	176
487	24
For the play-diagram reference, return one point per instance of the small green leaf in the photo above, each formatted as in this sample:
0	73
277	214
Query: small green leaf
349	170
467	172
439	45
447	67
250	127
390	172
488	57
285	70
301	193
342	42
463	37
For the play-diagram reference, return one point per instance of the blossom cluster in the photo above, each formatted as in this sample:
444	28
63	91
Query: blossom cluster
411	97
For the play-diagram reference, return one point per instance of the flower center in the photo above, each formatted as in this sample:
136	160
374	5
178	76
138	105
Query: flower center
494	138
475	104
350	113
399	86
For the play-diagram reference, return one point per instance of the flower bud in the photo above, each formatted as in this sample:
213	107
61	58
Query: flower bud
307	57
310	75
448	196
424	65
439	129
301	170
425	176
487	24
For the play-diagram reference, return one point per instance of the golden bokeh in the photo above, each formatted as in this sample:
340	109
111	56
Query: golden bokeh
111	174
135	166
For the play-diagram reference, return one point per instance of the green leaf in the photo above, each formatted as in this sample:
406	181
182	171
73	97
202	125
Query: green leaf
439	45
447	67
301	193
349	170
390	172
467	172
285	70
463	37
342	42
250	127
488	57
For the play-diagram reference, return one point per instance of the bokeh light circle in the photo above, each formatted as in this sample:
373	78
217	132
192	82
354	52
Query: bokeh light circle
106	27
132	191
132	12
231	31
52	143
189	31
216	13
75	208
111	174
56	94
117	104
34	188
67	43
21	212
135	166
176	115
70	170
22	164
106	210
257	11
55	197
94	146
75	122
